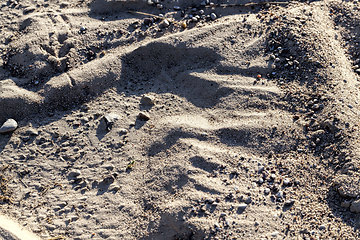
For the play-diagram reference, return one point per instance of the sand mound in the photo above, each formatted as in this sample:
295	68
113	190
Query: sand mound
243	125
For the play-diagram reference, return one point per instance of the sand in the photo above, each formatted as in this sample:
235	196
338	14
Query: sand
243	126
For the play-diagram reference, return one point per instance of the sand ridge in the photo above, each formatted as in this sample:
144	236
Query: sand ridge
250	131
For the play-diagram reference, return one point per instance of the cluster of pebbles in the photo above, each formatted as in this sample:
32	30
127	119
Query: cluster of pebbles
192	14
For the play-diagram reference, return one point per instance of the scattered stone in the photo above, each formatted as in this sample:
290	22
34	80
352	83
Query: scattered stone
74	173
183	25
114	187
147	100
148	21
32	132
123	131
62	204
274	234
206	2
73	218
248	200
109	167
322	227
286	182
110	119
261	168
9	126
213	16
29	10
82	30
165	23
280	194
177	8
355	206
210	201
289	203
143	116
241	208
267	191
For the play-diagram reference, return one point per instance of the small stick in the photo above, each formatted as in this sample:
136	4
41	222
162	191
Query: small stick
23	183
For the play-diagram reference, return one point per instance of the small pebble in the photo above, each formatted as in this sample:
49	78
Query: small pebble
165	23
74	173
148	21
9	126
111	118
82	30
109	167
289	203
123	131
147	100
280	194
206	2
322	227
286	182
32	132
267	191
261	181
274	234
177	8
114	187
29	10
143	116
248	200
213	16
241	208
210	201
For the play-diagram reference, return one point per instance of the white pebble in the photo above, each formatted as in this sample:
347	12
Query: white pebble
8	126
213	16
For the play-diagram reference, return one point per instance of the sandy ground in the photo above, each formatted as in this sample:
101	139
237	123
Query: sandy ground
238	125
